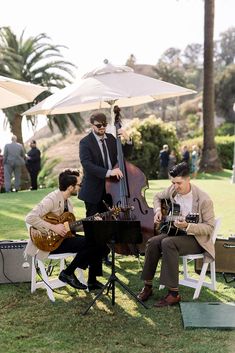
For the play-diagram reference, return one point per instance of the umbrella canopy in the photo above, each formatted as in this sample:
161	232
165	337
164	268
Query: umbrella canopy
15	92
106	86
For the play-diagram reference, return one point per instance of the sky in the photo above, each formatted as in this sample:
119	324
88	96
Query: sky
94	30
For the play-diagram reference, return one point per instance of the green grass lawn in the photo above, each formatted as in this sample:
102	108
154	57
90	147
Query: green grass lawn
31	323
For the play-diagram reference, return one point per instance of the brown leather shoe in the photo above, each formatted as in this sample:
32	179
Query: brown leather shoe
168	300
145	293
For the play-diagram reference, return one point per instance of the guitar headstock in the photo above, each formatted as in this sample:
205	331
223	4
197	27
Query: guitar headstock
192	218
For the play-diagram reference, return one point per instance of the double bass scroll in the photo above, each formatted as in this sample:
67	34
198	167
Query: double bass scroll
130	192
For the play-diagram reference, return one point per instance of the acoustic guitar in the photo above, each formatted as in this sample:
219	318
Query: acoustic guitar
48	240
171	213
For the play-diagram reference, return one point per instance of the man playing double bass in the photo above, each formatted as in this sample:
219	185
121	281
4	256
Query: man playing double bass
191	238
98	156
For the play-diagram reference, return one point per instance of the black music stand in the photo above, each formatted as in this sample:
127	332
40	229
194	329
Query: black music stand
113	232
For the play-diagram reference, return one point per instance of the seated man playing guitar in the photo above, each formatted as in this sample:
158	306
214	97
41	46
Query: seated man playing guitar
190	233
44	230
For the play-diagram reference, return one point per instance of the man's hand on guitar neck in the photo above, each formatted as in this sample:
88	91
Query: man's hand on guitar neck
59	229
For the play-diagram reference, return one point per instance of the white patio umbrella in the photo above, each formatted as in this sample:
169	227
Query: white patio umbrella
104	87
15	92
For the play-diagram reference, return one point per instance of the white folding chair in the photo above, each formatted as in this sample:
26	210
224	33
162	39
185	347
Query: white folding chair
51	283
197	283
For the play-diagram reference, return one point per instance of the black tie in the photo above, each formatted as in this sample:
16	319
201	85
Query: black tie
106	164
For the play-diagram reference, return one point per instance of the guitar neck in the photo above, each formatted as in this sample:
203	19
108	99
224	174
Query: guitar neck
174	218
78	223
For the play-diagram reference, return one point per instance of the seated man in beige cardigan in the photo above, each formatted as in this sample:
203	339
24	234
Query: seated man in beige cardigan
190	238
87	254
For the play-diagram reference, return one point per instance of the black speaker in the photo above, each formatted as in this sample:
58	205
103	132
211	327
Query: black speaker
13	266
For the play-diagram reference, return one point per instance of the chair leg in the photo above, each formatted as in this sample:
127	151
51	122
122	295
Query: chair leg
213	275
33	276
201	280
45	278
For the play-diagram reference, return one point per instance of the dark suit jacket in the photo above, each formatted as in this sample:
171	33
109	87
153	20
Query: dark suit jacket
94	172
33	164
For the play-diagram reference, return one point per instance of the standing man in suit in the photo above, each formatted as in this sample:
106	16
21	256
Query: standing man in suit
98	155
33	164
13	160
191	238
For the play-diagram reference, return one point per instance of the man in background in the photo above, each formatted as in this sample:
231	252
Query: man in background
33	164
164	161
13	160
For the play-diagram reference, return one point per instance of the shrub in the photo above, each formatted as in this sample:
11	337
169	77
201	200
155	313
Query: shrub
46	177
149	135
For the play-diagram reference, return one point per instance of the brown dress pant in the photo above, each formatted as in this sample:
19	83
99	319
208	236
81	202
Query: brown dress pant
169	248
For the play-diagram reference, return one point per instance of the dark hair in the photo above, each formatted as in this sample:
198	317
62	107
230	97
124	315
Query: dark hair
180	170
33	141
100	117
68	177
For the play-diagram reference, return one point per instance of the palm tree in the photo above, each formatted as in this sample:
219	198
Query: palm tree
209	161
37	61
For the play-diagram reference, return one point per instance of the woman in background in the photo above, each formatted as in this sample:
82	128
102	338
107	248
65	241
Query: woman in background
194	161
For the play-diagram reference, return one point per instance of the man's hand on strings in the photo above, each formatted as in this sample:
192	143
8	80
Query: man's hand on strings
59	229
158	216
117	173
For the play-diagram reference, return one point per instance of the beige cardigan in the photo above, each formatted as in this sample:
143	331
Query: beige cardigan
203	205
53	202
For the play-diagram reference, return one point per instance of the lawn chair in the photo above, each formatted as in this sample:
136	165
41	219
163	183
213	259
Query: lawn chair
46	281
198	283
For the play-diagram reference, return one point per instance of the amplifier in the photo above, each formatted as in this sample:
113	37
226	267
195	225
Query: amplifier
224	256
13	266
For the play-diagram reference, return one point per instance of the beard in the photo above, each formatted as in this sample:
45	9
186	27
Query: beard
100	132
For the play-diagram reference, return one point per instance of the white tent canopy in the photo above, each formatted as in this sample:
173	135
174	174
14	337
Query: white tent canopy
15	92
106	86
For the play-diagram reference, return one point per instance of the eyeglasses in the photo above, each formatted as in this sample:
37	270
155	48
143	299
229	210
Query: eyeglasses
100	125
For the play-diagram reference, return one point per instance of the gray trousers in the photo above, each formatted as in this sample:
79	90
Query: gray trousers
169	248
8	170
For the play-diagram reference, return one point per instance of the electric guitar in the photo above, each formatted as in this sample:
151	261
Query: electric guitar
48	240
170	214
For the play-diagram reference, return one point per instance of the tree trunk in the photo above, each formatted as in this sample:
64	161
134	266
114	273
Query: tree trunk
209	161
16	129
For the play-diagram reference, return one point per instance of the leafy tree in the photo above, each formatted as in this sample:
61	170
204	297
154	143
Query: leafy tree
37	61
193	55
225	93
226	47
209	160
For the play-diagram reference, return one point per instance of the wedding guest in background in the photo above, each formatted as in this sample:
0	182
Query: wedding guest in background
164	161
194	161
185	155
13	160
33	164
172	159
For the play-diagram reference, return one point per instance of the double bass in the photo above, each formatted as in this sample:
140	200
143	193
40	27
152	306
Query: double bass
129	193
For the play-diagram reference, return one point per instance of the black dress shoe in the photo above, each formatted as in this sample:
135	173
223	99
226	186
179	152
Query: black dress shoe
95	285
71	280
